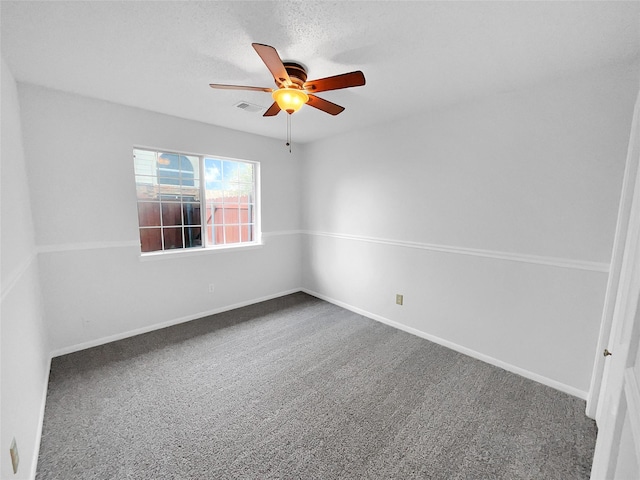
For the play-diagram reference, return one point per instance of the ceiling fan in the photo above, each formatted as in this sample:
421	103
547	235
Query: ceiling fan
293	88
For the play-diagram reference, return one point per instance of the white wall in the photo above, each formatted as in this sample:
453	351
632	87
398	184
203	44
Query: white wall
95	286
23	345
495	219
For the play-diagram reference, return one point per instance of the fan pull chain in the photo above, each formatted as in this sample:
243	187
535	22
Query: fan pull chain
289	132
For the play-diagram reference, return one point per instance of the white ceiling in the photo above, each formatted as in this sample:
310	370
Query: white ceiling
161	56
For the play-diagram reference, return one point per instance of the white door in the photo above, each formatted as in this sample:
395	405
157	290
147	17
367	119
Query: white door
617	454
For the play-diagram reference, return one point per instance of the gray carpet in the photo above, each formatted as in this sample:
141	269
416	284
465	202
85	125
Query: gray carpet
299	388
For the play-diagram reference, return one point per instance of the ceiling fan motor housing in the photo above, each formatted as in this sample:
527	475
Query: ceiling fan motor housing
297	73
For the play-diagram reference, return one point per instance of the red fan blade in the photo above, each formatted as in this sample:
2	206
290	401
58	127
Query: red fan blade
272	60
240	87
346	80
324	105
272	110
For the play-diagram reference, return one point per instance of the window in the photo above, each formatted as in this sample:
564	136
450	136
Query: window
194	201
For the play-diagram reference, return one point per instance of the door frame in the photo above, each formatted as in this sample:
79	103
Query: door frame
620	394
623	224
615	394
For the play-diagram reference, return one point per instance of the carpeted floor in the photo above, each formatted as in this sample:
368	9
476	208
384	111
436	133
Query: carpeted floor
299	388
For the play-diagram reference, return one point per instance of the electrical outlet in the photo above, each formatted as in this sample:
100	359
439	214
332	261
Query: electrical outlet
15	459
212	287
399	299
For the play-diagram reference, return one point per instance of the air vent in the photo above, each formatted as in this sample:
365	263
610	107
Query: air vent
249	107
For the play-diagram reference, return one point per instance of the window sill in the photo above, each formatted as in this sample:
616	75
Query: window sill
192	252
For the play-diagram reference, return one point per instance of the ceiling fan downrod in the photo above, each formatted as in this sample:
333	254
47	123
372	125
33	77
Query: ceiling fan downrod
289	132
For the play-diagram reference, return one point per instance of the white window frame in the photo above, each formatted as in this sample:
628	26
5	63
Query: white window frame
205	247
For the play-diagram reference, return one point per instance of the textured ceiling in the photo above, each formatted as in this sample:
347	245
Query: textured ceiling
161	56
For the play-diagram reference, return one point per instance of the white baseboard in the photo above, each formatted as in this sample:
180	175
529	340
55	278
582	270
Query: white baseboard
458	348
432	338
157	326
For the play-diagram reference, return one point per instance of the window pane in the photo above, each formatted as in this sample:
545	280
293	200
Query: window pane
229	171
231	214
172	238
208	215
245	190
210	239
215	214
214	191
246	212
170	193
150	239
144	162
171	214
146	180
168	169
192	237
191	213
219	235
146	188
212	170
245	172
190	194
148	214
230	192
251	213
232	234
169	181
247	233
190	167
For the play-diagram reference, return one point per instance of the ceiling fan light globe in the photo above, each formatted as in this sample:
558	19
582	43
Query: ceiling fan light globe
290	99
